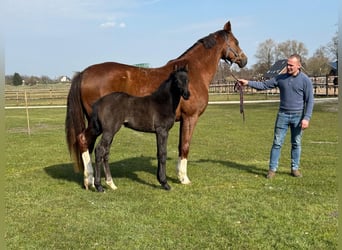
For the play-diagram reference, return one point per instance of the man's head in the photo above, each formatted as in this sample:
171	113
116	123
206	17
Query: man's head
294	64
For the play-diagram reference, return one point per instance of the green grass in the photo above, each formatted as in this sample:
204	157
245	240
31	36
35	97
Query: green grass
230	203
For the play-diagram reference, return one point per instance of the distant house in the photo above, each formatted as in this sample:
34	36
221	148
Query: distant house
279	67
64	79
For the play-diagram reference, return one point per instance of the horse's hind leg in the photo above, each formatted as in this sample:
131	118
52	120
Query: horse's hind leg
88	172
109	179
101	153
102	157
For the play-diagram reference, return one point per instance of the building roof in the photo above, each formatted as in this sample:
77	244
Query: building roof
279	67
333	65
276	68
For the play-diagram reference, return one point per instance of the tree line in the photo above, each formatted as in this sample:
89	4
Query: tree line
269	52
16	80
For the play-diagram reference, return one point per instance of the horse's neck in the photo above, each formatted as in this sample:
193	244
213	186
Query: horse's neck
200	59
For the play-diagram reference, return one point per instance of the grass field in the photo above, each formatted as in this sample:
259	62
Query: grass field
229	205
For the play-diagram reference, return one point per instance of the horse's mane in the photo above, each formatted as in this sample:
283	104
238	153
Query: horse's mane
208	42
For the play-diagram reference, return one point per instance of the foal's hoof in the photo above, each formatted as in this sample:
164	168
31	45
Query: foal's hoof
99	188
166	186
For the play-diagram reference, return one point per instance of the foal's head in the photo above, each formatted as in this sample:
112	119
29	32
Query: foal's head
180	80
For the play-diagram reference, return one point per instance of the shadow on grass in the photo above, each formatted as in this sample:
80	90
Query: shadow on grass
247	168
127	168
230	164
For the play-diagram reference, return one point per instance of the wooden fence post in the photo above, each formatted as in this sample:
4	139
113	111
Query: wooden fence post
27	115
326	85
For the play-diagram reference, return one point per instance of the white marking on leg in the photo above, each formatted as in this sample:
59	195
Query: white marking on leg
181	171
88	170
111	184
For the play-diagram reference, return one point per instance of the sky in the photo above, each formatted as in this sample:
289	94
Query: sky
60	37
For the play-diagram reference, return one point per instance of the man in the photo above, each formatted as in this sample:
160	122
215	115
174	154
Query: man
295	110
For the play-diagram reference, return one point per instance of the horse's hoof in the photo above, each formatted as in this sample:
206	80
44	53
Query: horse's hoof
166	187
88	187
185	180
99	188
111	184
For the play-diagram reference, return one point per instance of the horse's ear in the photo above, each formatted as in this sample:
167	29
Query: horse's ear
175	68
227	27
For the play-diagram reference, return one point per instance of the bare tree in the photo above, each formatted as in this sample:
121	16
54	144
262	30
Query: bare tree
222	72
285	49
318	64
265	55
46	80
332	47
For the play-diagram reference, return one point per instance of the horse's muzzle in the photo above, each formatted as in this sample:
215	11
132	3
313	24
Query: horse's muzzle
242	61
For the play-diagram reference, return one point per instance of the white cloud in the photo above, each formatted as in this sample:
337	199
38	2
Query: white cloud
112	24
107	25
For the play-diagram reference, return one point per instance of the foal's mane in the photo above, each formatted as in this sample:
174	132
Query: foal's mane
208	41
169	81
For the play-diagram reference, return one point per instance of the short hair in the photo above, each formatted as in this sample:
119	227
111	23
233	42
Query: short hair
297	56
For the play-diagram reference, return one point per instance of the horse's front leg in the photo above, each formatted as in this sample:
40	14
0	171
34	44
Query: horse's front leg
162	136
186	129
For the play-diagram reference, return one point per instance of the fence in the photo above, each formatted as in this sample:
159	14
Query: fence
323	86
37	96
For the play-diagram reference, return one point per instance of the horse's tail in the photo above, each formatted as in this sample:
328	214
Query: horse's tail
75	121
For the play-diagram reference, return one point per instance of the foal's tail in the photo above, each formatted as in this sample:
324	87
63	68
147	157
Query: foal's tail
75	121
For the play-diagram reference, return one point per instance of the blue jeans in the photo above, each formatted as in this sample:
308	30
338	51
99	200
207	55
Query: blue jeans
283	122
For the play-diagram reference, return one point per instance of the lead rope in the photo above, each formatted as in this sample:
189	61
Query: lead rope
239	87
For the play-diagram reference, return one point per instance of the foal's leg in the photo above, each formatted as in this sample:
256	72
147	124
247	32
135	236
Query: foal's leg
162	136
108	175
102	157
186	129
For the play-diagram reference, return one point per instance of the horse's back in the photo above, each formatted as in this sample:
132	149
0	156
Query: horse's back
104	78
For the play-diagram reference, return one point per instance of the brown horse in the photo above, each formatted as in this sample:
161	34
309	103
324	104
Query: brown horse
100	79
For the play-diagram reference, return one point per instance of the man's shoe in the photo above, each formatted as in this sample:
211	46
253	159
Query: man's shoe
296	173
270	174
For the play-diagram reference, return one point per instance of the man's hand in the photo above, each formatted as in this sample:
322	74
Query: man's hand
243	82
305	124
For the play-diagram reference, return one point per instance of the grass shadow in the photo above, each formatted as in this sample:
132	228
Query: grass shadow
247	168
230	164
127	168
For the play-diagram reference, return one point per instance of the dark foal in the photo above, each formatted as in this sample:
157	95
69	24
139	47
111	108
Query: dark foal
154	113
